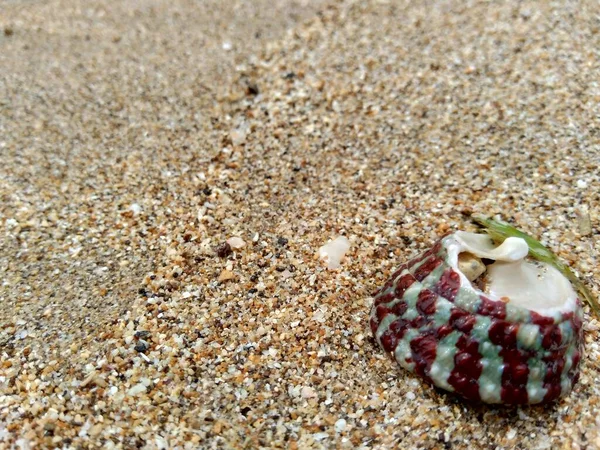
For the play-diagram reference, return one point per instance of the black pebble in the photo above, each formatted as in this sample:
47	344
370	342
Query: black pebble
141	347
223	250
142	334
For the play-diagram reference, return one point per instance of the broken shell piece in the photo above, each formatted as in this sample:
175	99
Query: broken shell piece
513	336
333	252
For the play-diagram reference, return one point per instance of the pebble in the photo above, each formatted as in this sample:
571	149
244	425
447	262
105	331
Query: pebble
226	275
340	425
136	389
236	242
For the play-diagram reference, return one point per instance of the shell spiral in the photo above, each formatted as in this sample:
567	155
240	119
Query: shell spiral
460	340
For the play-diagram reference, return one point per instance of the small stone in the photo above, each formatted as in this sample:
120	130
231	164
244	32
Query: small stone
308	392
223	250
136	389
238	136
340	425
142	334
236	242
141	347
226	275
470	265
584	221
333	252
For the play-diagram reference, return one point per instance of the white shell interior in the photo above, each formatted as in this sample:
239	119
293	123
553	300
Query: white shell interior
533	285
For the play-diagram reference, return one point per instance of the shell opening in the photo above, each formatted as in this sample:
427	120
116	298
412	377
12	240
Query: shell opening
504	273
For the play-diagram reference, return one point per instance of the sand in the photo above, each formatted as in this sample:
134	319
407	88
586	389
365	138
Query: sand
136	138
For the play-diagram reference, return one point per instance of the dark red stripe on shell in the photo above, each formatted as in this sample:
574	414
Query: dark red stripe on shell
538	319
400	327
399	308
448	285
462	320
573	371
464	377
495	310
577	324
514	376
443	331
424	349
555	364
551	337
374	324
395	332
389	340
384	298
503	333
398	271
403	284
381	311
423	256
426	302
427	267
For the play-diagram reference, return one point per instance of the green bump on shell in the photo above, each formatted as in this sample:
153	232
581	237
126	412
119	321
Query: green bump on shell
535	382
403	350
516	314
492	363
410	296
443	310
433	277
444	361
384	325
467	299
529	337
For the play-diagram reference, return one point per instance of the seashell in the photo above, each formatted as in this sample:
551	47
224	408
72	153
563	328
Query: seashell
509	332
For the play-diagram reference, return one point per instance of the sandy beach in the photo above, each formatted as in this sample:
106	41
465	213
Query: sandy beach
137	138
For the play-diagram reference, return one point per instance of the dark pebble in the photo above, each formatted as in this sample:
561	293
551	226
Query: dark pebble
223	250
142	334
141	347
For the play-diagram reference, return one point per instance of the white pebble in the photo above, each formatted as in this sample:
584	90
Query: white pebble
236	242
308	392
320	436
333	252
238	136
137	389
410	395
511	434
340	425
581	184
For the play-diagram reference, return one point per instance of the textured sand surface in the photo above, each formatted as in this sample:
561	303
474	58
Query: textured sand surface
137	137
